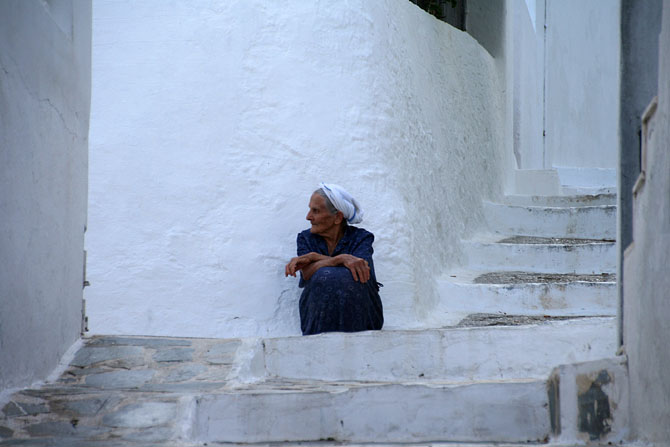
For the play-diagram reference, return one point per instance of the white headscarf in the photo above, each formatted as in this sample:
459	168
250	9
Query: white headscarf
343	201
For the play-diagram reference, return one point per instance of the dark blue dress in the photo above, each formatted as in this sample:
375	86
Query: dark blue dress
331	300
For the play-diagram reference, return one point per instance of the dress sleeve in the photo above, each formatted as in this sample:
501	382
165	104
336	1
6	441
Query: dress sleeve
362	246
303	245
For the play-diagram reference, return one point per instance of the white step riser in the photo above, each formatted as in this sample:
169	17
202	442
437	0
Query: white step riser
455	355
561	201
584	222
585	258
568	190
587	177
504	412
574	299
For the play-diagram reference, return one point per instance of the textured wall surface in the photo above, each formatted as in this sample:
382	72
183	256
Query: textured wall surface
529	65
212	123
640	26
582	83
44	108
646	304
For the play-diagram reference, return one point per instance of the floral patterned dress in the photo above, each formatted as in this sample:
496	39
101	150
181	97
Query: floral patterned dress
331	300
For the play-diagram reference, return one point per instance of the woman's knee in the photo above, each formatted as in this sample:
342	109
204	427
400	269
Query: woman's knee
338	278
339	275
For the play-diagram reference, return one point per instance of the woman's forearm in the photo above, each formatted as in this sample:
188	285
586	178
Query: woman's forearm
358	267
325	261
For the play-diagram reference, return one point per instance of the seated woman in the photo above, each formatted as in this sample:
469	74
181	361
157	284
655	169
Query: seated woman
341	292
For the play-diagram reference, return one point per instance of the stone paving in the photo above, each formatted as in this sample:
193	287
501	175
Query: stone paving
141	391
484	319
119	391
512	277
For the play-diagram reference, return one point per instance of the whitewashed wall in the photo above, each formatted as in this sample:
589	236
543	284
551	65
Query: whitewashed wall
212	122
583	43
527	27
45	86
646	308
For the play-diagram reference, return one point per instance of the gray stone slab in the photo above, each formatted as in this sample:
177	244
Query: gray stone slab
151	434
552	240
34	409
174	355
479	320
86	407
542	278
77	371
184	372
40	442
142	415
47	392
222	353
65	442
51	428
127	363
6	432
152	342
12	409
185	387
78	442
120	379
88	356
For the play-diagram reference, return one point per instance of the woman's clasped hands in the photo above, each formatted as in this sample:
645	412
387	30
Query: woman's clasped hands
310	262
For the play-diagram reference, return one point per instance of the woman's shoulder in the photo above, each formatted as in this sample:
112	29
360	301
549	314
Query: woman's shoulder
305	233
306	237
358	232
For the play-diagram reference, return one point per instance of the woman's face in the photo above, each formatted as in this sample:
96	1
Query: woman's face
322	221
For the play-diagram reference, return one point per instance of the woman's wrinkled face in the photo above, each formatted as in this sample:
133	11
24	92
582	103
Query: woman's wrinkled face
323	222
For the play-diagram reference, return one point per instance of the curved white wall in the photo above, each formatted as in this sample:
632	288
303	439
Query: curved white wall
212	123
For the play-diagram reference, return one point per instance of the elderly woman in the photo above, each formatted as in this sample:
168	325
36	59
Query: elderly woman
341	292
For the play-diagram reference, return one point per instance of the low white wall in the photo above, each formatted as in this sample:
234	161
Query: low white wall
45	62
213	122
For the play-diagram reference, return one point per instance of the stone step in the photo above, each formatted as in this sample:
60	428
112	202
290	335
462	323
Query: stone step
457	354
504	411
576	190
527	293
590	222
537	254
561	201
592	178
161	391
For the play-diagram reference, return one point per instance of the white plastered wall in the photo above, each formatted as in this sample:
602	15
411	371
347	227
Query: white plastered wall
212	123
647	283
527	27
45	66
583	41
563	60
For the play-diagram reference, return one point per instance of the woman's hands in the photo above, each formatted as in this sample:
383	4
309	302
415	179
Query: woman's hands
311	262
358	267
299	263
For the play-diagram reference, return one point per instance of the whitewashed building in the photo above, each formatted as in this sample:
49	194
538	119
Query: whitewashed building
212	122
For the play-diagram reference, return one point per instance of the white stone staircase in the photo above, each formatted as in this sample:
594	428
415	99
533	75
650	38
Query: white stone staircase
537	291
553	256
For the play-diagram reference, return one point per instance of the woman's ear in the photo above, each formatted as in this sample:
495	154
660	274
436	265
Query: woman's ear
339	217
